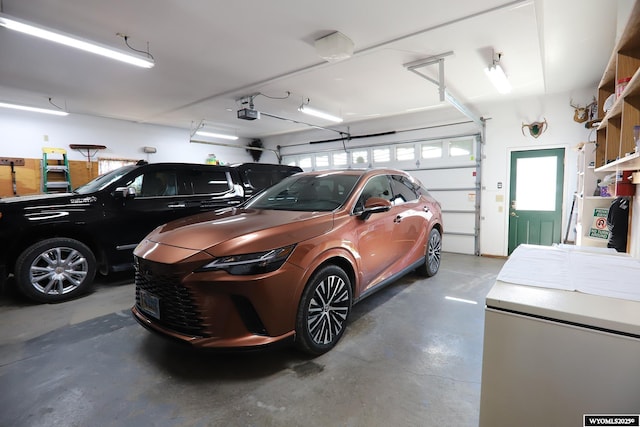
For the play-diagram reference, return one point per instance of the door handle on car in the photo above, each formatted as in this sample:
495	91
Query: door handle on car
177	205
397	219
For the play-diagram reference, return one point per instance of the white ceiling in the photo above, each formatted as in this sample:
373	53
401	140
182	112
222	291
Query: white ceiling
210	53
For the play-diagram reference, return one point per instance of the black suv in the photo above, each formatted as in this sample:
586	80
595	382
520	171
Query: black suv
54	243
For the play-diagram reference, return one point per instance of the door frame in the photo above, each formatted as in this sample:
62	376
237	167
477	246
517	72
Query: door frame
507	192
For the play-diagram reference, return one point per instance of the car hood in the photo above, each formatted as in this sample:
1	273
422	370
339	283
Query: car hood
238	230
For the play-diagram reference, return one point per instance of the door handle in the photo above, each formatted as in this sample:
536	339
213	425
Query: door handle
397	219
177	205
513	214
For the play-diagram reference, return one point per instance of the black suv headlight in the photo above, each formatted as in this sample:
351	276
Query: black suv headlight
255	263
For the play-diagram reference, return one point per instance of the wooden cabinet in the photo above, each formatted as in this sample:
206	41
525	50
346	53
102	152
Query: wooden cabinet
615	143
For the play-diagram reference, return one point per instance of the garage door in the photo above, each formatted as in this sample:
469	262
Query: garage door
448	167
457	190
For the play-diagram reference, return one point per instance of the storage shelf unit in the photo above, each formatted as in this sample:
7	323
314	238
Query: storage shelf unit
586	200
615	144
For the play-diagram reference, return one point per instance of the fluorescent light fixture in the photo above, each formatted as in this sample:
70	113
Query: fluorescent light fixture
73	41
498	78
216	135
33	109
317	113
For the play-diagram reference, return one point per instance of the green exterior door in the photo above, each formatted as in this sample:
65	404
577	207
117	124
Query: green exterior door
535	196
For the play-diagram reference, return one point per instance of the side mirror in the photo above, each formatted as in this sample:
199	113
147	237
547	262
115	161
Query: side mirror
374	205
125	192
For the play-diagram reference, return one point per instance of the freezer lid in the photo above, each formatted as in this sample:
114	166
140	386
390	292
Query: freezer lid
580	309
575	269
592	288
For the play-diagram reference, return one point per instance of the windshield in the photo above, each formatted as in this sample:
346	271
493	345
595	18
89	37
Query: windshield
104	180
324	192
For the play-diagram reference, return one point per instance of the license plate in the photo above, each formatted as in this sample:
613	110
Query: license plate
150	303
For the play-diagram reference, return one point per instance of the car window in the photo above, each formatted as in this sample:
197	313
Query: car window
104	180
154	184
306	193
210	182
377	186
403	190
262	177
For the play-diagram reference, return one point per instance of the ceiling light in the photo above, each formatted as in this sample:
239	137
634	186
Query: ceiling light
317	113
334	47
216	135
33	109
498	77
73	41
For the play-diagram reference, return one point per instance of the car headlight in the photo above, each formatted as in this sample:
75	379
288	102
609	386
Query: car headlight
255	263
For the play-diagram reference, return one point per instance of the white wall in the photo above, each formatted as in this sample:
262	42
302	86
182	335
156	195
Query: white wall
504	135
23	134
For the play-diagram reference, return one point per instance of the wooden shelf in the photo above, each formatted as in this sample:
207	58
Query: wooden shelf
631	162
614	134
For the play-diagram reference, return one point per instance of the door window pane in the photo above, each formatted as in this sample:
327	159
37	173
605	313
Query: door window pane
210	183
403	190
378	186
536	184
160	183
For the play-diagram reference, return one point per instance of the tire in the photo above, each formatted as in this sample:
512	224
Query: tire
55	270
323	311
433	254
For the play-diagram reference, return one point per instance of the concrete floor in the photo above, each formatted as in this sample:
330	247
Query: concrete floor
409	357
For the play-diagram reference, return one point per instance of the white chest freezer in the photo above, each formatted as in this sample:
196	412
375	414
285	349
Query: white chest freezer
562	339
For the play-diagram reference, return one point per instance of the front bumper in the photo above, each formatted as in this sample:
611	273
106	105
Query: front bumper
215	309
244	342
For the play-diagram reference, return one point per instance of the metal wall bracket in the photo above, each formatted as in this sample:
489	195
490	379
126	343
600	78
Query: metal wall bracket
445	95
9	161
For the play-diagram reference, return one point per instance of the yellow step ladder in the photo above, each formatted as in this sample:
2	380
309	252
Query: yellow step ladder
56	176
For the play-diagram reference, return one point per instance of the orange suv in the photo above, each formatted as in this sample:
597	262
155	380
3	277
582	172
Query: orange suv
287	264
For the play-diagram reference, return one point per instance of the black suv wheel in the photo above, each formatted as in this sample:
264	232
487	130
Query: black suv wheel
55	269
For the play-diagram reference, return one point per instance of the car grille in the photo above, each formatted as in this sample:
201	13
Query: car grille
178	310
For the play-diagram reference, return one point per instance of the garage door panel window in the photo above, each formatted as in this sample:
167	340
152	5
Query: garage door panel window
405	153
381	155
462	147
431	150
322	161
306	162
340	159
360	158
